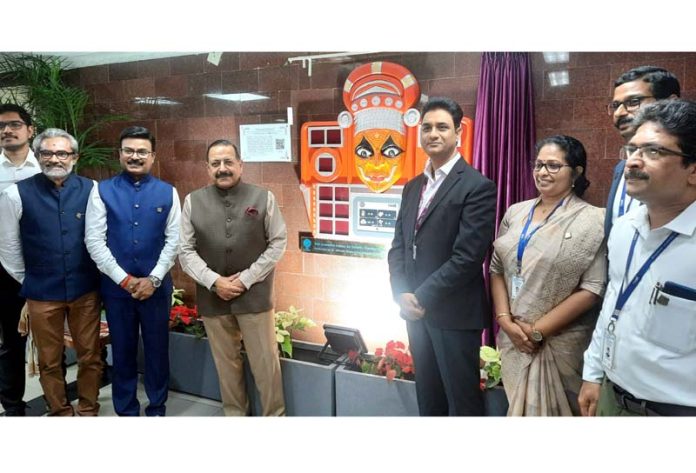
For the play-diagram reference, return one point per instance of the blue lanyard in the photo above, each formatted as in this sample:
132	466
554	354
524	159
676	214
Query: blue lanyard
623	200
625	294
524	238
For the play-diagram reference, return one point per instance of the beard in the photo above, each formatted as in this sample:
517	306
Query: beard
57	172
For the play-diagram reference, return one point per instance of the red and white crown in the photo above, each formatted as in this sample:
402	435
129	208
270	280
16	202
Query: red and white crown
380	95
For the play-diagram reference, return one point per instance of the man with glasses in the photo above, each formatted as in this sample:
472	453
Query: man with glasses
17	162
42	247
633	89
642	358
132	235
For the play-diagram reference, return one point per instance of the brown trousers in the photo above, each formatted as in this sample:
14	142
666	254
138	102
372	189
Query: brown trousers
225	333
47	323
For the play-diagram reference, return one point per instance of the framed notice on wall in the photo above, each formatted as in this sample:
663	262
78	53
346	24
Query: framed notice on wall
265	143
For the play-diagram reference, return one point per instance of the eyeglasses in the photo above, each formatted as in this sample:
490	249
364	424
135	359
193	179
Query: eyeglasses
651	152
551	167
631	104
62	155
13	125
141	153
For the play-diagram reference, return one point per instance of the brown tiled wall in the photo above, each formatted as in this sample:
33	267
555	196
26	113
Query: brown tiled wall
579	109
184	131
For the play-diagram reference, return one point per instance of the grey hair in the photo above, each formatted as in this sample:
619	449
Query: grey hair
54	133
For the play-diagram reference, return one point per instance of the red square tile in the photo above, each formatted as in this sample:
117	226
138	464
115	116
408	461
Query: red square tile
342	227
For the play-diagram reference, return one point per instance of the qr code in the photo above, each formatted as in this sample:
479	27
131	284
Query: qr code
279	143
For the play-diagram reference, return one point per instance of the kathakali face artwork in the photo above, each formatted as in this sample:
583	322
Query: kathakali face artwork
378	96
379	157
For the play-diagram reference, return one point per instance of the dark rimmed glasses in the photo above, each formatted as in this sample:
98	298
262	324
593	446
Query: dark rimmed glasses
61	155
551	167
141	153
630	104
651	152
14	125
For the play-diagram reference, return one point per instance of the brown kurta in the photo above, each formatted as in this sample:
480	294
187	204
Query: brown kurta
564	255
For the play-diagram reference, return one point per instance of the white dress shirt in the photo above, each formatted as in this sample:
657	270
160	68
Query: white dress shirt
434	181
95	239
10	174
197	268
655	354
11	211
628	201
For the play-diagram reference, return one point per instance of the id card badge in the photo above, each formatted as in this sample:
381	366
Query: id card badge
516	283
608	350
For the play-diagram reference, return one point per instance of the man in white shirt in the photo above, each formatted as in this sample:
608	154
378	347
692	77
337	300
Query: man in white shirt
639	86
132	234
17	162
642	357
42	247
232	236
443	232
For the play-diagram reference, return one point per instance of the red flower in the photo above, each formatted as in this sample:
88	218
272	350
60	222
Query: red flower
251	212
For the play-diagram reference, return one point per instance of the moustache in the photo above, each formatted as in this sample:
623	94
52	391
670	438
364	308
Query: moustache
623	121
8	135
635	174
220	174
135	161
54	165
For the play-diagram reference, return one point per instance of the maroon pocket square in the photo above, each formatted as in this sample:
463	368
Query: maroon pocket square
252	212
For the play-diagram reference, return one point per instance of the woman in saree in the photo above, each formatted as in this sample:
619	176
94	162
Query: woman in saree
548	275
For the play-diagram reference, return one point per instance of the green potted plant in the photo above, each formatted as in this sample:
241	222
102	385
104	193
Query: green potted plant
286	321
38	84
491	382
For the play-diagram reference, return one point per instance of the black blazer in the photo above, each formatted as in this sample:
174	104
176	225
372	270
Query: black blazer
618	172
452	243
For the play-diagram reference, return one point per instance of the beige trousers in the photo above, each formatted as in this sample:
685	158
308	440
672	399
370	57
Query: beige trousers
47	320
225	333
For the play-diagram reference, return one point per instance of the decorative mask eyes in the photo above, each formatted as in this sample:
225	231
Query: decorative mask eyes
364	149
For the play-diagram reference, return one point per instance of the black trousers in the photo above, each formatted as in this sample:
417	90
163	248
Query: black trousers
447	370
12	361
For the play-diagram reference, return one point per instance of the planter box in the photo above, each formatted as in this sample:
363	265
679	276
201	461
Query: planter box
308	383
191	366
359	394
496	402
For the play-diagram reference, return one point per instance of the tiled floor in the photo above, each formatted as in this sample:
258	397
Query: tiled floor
178	404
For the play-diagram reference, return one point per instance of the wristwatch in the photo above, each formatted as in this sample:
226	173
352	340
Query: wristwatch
156	282
537	336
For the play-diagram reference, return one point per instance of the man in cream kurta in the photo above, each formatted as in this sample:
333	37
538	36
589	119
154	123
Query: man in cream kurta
232	236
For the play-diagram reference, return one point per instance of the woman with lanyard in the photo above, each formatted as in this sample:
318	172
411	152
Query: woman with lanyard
548	275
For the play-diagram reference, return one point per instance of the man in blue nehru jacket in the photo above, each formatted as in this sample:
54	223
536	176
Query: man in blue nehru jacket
42	247
132	234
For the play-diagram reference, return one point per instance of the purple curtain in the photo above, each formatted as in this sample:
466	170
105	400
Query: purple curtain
504	132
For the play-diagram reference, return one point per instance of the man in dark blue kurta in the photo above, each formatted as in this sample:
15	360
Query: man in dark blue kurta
42	247
132	235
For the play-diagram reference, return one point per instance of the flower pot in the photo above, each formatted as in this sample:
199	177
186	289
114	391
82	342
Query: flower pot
496	401
191	366
308	383
359	394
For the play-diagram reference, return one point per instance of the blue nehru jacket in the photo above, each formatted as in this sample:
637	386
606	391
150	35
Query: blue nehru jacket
136	219
57	264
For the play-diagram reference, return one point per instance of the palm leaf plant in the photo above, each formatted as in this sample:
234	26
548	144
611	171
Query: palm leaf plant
38	84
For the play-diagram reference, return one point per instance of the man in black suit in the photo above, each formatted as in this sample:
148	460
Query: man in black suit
633	89
443	233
